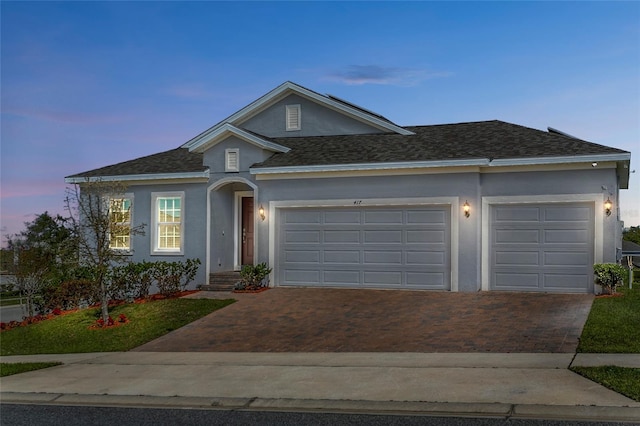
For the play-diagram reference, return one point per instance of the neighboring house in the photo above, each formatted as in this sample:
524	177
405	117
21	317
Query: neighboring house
630	250
330	194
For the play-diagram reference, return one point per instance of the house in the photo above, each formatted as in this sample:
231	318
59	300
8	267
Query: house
331	194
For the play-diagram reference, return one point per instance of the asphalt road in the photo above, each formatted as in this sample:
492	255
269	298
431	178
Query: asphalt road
11	313
56	415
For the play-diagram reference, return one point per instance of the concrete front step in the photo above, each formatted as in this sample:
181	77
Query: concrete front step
222	281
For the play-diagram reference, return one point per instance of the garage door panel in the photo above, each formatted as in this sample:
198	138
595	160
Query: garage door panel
432	217
579	259
517	214
384	237
383	257
342	256
341	236
565	236
516	280
378	247
564	281
385	278
429	280
508	236
517	258
426	237
302	256
342	217
387	217
554	253
307	217
311	237
434	258
333	277
301	276
567	214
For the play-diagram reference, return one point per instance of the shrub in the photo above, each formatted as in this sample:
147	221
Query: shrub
253	277
609	275
69	295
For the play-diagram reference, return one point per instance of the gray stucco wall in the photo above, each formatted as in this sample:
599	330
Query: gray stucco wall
317	120
194	222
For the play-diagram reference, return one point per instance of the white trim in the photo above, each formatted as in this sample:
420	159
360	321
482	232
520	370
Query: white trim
451	202
564	159
279	93
125	196
205	142
204	175
237	227
291	110
213	187
227	157
368	166
155	251
484	163
487	202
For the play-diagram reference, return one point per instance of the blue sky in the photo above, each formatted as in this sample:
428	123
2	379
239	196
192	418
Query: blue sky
87	84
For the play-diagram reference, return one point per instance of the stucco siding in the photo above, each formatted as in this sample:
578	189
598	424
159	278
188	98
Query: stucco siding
317	120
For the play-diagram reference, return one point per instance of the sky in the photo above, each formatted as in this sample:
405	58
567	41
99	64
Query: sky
88	84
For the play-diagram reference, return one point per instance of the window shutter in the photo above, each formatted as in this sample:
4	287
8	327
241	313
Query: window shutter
293	117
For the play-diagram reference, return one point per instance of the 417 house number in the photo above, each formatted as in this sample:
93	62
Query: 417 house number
357	202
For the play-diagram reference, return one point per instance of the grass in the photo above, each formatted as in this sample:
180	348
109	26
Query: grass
71	334
613	325
619	379
8	369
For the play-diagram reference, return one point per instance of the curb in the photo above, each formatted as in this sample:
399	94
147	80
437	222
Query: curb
443	409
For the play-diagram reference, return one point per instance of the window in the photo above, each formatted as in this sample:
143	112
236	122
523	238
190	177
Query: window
232	160
168	229
294	120
120	223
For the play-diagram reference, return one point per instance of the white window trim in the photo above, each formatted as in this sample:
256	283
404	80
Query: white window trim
130	197
155	250
227	153
289	110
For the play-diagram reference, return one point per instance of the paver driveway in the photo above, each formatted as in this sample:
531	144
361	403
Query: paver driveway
339	320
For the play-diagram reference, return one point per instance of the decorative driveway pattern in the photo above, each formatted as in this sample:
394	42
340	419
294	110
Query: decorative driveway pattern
341	320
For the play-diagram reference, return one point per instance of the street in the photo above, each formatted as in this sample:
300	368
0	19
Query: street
57	415
11	313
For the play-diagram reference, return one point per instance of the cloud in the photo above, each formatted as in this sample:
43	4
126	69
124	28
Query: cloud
376	74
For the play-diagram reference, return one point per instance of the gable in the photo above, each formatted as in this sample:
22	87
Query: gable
233	154
314	119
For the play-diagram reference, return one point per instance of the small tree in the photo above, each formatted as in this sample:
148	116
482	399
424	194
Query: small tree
609	275
93	222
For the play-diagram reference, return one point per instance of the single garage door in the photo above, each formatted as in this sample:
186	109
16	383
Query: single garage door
372	247
542	247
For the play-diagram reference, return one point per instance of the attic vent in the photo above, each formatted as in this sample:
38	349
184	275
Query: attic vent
232	162
293	117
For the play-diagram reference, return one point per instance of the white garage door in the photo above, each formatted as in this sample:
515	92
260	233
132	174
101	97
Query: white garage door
542	247
373	247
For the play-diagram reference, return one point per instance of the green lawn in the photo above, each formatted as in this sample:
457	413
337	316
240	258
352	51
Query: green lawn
622	380
71	333
7	369
613	325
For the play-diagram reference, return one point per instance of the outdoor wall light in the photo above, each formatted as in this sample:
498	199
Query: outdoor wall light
467	209
607	207
261	212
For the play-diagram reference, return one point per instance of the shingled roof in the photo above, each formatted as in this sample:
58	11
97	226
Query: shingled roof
178	160
477	140
491	140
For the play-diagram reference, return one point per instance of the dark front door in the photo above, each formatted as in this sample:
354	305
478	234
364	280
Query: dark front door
247	231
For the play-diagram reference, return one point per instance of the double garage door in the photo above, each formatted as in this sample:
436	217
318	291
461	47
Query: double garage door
542	247
368	247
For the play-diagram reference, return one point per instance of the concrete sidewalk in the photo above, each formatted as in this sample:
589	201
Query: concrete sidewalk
469	384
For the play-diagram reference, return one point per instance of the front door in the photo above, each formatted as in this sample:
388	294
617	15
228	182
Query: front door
247	231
